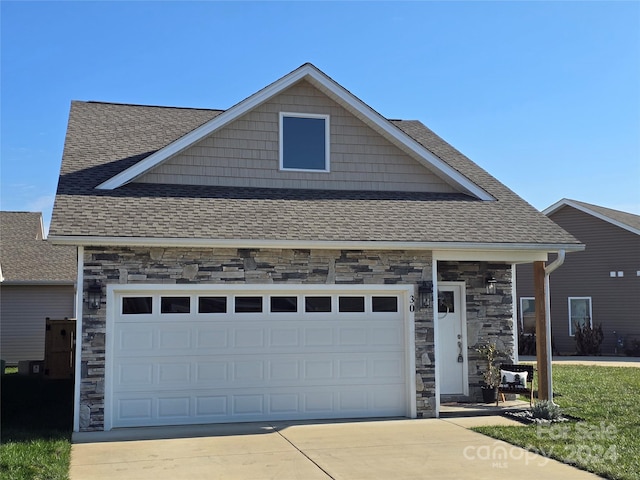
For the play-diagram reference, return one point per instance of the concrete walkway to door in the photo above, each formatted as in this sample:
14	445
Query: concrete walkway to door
384	449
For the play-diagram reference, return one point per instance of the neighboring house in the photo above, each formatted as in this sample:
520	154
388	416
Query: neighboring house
599	286
36	281
278	260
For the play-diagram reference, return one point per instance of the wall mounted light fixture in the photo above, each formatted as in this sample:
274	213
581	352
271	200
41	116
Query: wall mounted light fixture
94	295
425	293
491	283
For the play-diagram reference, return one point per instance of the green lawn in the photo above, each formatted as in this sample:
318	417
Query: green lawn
607	441
36	428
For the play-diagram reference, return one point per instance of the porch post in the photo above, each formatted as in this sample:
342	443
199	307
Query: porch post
541	331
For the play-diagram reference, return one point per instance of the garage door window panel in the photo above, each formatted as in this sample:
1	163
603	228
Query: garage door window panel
317	304
384	304
284	304
137	305
351	304
248	305
212	305
175	305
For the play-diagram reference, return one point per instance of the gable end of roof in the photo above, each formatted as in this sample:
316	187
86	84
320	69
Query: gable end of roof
326	85
624	220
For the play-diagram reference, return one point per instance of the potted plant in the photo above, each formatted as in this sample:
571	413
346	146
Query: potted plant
491	376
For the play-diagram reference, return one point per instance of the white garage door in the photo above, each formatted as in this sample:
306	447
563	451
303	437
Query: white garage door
185	357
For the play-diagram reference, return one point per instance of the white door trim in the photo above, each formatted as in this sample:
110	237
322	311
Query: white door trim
407	293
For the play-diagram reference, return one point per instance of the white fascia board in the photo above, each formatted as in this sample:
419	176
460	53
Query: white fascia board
501	256
568	203
36	283
308	72
473	248
378	121
556	206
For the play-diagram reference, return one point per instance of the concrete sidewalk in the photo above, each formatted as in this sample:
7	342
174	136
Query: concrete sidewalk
398	449
599	361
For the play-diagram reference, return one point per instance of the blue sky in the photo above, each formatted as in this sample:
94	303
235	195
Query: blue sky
543	95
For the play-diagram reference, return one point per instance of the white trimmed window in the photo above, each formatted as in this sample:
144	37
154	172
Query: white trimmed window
527	315
304	142
579	313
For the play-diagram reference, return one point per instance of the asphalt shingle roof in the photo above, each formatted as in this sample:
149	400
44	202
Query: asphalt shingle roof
104	139
26	257
626	218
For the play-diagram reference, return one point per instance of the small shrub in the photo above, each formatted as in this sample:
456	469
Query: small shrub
526	344
490	352
632	348
546	410
588	339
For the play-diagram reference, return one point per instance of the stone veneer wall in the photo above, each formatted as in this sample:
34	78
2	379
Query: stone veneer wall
245	266
489	317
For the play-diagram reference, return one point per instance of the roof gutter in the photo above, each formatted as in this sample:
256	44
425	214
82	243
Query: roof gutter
36	282
316	244
548	270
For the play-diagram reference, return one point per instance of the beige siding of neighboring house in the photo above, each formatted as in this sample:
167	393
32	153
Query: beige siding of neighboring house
615	300
246	153
23	310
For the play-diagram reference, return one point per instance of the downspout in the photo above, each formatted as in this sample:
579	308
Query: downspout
78	345
547	307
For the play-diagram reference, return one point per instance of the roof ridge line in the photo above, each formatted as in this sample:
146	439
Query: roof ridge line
125	104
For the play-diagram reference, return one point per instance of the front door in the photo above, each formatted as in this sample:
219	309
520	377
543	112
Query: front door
452	339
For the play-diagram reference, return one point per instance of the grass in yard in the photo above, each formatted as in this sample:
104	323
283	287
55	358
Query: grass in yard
607	441
36	428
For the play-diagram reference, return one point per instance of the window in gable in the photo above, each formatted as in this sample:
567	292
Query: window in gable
304	142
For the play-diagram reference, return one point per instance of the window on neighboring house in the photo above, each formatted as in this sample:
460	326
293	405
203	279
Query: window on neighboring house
304	142
527	315
579	313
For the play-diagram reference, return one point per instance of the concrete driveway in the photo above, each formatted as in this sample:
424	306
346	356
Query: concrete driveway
385	449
